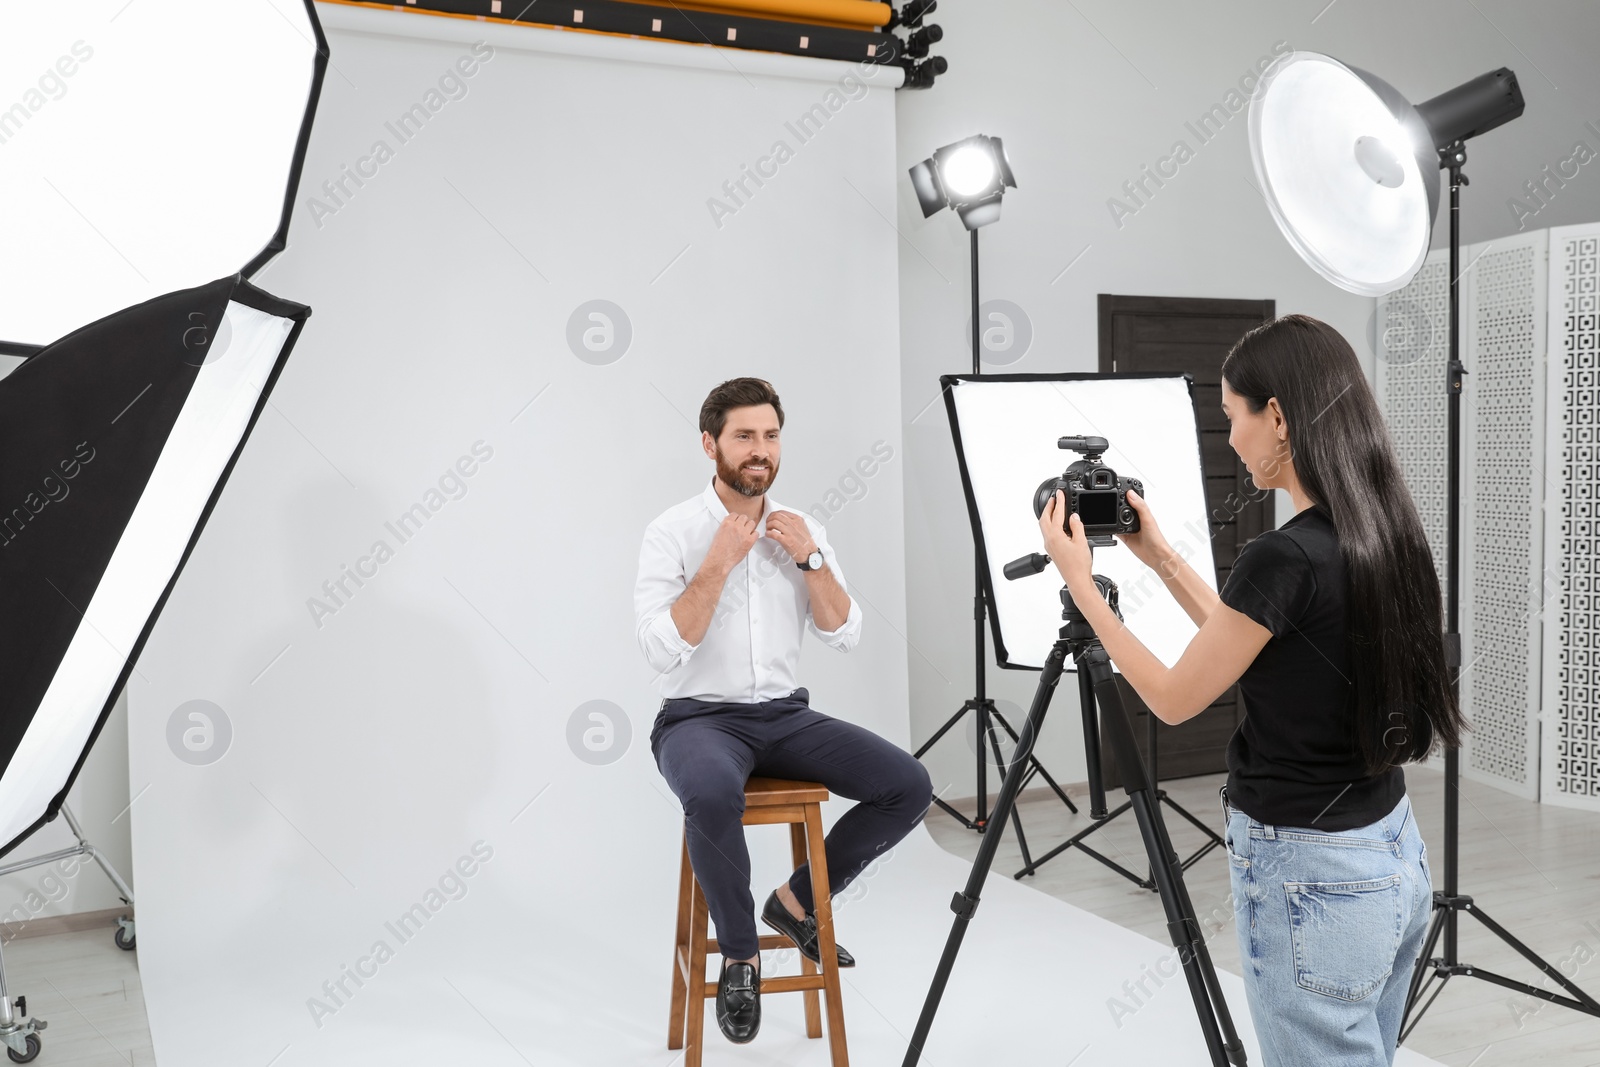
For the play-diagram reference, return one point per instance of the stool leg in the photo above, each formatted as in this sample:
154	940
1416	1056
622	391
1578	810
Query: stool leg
680	952
699	919
797	845
826	948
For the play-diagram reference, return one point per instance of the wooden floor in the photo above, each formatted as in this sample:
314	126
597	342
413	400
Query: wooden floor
1534	868
87	990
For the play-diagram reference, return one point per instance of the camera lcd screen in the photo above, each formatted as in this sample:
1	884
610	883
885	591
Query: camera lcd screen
1098	508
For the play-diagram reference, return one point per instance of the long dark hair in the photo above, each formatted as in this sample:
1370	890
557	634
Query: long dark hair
1403	697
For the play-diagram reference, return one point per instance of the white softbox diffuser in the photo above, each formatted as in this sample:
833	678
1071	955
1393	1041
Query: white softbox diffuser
147	148
1006	427
116	442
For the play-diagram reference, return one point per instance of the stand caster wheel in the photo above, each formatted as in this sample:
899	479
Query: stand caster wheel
25	1057
125	940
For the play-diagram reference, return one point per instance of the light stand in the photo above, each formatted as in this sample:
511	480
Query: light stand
22	1037
1312	120
1095	682
1432	972
971	176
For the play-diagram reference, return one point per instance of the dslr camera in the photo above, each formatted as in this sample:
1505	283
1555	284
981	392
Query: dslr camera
1095	492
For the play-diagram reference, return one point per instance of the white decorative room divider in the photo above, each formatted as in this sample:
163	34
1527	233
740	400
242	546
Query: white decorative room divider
1571	751
1503	495
1503	335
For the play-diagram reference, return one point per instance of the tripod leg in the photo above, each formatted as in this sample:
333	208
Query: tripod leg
1000	765
1413	1014
1097	794
1213	839
1586	1003
1201	951
941	731
1183	930
1166	870
1203	827
929	743
1077	841
1039	767
965	902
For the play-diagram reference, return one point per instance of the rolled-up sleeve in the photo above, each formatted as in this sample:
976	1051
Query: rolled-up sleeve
849	632
660	583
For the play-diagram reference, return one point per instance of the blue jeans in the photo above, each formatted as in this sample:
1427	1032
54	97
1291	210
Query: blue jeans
1330	925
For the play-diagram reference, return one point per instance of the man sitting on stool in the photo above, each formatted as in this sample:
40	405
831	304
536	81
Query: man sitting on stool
728	583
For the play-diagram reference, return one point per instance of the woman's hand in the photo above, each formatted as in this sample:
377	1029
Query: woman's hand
1069	553
1148	546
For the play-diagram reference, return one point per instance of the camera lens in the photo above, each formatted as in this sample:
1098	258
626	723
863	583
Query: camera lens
1046	490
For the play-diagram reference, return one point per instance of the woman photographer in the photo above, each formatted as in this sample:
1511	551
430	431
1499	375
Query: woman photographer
1331	626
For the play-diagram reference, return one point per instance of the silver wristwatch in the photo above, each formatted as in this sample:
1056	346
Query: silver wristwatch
813	562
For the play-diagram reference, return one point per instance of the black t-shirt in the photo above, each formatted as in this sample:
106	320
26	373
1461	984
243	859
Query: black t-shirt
1293	761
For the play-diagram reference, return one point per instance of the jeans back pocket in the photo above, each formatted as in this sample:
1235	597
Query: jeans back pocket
1345	934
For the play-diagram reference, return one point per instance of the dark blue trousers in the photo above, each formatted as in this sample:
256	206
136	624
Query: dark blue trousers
706	751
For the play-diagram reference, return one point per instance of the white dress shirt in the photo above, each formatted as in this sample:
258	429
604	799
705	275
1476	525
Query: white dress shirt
750	650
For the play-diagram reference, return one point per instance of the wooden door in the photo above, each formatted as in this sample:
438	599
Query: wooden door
1192	335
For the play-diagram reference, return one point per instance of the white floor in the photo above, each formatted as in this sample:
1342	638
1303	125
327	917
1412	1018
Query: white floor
1032	985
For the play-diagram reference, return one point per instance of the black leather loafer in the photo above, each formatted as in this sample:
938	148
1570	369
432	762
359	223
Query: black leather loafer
803	932
739	1001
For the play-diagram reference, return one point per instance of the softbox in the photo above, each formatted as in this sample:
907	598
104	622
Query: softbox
117	441
149	147
1006	427
158	145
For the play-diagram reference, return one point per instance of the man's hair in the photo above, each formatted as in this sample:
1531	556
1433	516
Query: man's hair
736	393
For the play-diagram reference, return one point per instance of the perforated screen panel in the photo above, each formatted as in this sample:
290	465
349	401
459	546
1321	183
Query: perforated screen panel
1413	346
1571	749
1504	490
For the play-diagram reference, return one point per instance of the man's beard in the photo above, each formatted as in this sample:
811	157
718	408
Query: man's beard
743	482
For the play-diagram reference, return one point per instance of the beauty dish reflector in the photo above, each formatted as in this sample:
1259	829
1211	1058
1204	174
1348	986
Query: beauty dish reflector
1350	169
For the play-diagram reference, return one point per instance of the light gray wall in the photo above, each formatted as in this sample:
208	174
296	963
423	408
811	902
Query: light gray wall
1085	95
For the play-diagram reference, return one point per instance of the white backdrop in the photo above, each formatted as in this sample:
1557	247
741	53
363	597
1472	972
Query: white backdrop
419	581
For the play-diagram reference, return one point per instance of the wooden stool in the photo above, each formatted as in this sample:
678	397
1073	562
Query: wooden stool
767	800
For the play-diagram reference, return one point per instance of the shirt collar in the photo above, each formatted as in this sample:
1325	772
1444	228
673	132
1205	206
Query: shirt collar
719	510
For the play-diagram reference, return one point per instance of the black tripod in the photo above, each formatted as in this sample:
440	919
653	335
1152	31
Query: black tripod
1095	682
1076	840
1432	972
988	714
